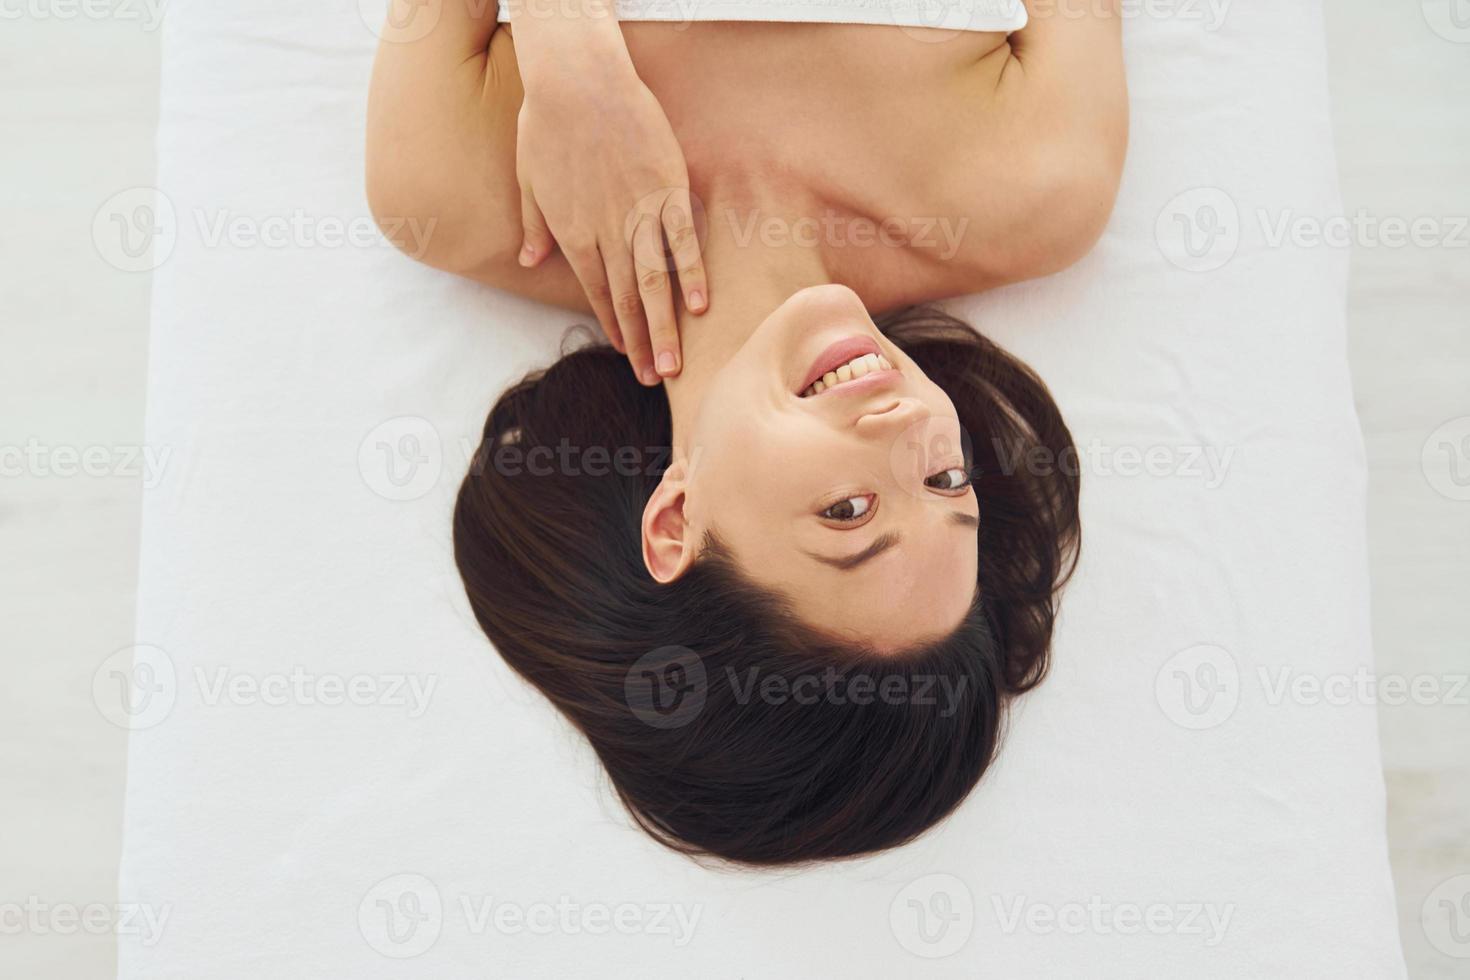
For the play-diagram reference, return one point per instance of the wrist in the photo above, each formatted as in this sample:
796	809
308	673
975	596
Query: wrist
576	42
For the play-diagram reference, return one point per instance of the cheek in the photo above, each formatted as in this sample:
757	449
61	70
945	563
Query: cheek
733	453
754	472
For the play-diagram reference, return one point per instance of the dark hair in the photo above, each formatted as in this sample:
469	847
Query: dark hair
729	728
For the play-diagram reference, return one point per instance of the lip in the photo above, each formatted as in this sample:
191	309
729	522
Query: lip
839	354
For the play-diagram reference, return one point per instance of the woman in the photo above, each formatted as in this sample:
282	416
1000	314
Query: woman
788	596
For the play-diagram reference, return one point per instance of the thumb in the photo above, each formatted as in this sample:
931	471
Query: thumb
536	240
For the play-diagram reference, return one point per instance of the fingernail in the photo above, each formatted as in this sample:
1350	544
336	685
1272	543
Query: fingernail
666	363
528	255
649	376
696	300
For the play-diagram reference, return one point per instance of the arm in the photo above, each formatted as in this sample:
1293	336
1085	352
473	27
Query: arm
1067	68
441	145
515	175
1050	134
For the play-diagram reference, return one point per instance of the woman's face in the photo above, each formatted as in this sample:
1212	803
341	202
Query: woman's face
851	499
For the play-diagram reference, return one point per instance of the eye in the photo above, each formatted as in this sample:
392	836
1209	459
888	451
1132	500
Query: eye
848	510
952	480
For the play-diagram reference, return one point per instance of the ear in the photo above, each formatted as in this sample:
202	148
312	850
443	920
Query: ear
668	541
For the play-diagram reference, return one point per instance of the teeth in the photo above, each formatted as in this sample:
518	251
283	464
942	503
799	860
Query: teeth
855	368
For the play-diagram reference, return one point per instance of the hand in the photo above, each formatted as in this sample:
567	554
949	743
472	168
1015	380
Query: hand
603	178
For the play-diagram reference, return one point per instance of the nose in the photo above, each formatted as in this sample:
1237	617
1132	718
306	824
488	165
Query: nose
892	416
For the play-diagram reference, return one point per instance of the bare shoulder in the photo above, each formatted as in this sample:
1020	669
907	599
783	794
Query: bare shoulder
441	139
1036	164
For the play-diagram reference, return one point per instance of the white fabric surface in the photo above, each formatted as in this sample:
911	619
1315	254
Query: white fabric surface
278	835
954	15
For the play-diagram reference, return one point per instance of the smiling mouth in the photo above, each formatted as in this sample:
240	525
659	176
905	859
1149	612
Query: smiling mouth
847	372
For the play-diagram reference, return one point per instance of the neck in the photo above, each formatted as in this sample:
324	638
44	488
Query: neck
758	250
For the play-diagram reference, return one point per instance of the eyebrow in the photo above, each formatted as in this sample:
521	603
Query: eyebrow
847	564
883	543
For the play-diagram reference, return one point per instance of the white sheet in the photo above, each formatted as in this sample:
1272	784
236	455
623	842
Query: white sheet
1120	834
954	15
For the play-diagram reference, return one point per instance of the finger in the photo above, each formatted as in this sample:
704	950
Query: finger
678	219
656	291
536	240
628	304
586	265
